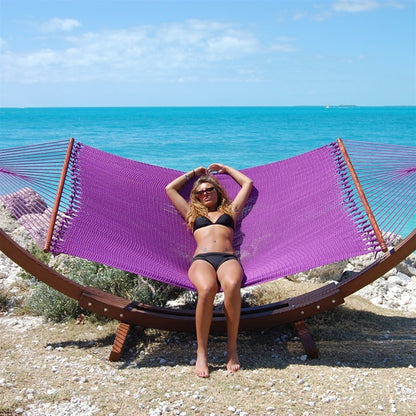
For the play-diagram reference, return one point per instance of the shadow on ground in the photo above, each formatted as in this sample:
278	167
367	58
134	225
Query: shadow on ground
345	337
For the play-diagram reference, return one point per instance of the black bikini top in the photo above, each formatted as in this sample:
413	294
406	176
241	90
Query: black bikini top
223	219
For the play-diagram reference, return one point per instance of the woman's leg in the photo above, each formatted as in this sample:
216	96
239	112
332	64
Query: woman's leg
230	275
204	278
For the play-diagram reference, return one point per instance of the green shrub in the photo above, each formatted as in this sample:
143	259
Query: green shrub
52	304
56	306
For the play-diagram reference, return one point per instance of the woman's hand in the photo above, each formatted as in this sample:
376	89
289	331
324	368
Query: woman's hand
201	171
217	167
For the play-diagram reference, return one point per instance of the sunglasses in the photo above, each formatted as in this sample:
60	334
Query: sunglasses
205	191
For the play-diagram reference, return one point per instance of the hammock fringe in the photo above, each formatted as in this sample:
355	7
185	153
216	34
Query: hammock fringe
64	220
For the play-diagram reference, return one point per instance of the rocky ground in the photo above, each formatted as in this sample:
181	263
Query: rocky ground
366	367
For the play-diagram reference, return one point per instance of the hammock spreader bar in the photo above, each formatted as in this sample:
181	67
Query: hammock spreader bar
58	197
362	196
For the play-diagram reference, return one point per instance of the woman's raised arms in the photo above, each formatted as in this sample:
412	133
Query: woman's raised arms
244	181
172	189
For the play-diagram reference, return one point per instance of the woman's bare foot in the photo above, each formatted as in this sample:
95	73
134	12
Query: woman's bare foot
201	366
233	363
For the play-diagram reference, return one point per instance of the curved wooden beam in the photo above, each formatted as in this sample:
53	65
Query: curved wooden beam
148	316
38	269
291	310
380	266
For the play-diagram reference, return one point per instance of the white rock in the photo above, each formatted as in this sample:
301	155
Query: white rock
400	279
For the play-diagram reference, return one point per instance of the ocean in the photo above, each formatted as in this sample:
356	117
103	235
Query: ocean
183	138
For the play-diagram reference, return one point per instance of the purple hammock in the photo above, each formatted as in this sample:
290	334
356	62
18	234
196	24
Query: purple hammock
304	212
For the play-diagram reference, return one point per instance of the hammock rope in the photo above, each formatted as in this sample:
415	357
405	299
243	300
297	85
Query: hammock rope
29	178
304	212
362	196
388	176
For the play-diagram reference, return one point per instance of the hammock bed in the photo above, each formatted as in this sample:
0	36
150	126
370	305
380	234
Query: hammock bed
305	212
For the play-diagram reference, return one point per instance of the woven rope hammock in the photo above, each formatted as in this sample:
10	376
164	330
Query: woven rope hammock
304	212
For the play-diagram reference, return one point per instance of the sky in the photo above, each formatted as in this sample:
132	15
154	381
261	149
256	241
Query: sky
58	53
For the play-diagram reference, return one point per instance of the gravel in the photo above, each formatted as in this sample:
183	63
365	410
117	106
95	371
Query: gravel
62	369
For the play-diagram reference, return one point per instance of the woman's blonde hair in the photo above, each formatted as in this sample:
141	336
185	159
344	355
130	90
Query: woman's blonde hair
197	208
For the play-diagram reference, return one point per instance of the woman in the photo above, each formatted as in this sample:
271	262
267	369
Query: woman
212	218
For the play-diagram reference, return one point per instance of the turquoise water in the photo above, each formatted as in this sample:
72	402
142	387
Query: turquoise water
186	137
182	138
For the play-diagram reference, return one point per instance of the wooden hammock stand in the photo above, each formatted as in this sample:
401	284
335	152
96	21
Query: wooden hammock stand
292	310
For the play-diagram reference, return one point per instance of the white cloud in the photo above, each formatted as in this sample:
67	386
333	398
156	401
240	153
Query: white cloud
59	25
300	15
322	15
355	6
284	44
230	45
395	4
326	11
3	43
166	52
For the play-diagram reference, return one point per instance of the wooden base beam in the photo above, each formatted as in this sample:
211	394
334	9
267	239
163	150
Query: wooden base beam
306	339
119	341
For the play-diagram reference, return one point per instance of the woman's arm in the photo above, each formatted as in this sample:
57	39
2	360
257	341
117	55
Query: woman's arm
172	190
244	181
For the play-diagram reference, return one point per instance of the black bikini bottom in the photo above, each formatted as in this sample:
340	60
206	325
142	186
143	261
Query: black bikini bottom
215	259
